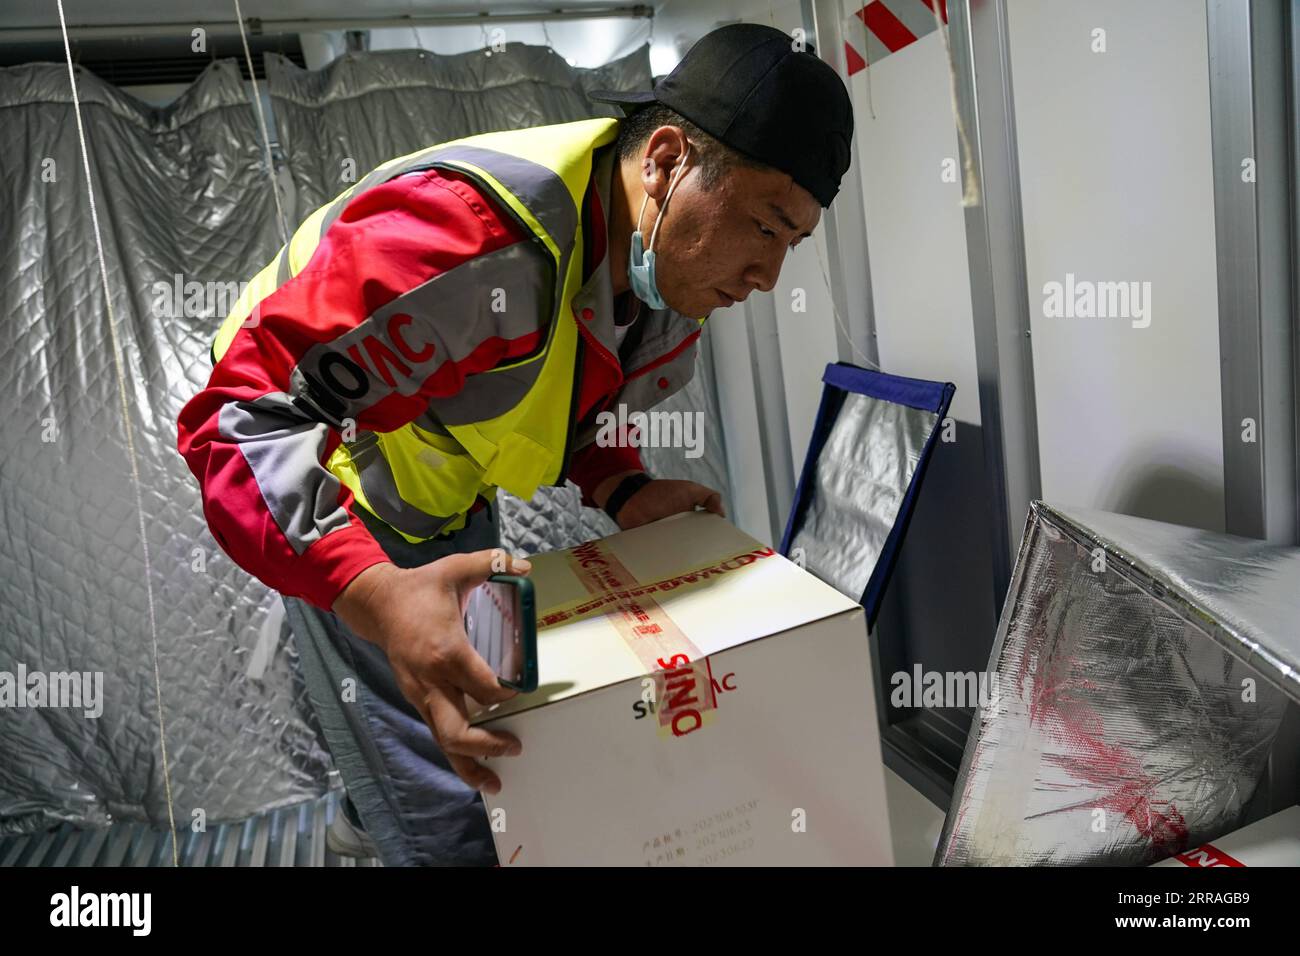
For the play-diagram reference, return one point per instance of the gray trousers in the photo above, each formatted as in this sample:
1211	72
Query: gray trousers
411	803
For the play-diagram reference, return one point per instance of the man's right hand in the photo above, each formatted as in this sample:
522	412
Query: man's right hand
417	616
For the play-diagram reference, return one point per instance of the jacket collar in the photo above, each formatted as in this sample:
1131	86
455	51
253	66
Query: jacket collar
593	305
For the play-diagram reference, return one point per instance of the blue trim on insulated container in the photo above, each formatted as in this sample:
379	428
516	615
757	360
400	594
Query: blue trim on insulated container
842	379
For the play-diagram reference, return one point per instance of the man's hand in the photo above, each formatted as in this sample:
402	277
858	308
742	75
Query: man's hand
417	616
658	499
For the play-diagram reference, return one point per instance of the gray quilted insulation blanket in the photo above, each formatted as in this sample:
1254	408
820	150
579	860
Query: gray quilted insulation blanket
181	192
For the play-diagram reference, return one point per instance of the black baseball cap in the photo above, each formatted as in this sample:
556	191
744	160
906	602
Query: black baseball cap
751	87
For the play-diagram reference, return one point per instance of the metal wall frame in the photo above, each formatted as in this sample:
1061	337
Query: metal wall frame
1249	80
1293	124
772	408
1254	84
995	245
845	223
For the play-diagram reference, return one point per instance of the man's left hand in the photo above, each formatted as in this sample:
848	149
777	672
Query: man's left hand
667	496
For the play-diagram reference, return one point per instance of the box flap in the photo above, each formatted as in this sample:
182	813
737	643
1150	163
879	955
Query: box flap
692	584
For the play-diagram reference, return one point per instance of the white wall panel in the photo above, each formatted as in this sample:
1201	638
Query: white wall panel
1116	179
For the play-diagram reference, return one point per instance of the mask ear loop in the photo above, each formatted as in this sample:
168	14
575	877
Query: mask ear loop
677	177
642	212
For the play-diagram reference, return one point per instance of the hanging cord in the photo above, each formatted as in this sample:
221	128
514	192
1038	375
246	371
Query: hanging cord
130	435
266	135
861	356
970	195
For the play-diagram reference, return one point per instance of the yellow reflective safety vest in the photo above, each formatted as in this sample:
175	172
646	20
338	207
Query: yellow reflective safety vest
422	481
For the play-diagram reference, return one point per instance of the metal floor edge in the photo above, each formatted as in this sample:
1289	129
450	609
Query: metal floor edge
289	836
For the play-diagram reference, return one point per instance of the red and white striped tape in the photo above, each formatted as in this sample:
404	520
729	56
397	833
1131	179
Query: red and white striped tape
883	27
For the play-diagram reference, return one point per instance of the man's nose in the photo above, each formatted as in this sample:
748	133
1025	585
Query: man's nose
762	273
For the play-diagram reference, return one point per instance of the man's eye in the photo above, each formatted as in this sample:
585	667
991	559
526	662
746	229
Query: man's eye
765	231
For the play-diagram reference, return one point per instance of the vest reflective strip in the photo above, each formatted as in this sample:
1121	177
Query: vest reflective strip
536	187
536	196
482	397
380	174
283	272
259	287
380	492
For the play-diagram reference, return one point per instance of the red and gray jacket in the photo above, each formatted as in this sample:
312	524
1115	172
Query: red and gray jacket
443	328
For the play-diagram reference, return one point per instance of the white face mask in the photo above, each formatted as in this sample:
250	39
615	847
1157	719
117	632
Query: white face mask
641	263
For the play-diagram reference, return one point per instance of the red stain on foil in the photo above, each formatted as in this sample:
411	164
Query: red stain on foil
1124	784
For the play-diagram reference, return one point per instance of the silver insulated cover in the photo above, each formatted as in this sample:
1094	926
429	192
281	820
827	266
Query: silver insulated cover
1139	674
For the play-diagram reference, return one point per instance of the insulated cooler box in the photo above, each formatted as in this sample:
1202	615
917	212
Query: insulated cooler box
719	713
1144	670
706	701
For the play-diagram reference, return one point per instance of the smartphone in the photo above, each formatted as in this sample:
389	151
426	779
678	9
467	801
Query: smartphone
501	623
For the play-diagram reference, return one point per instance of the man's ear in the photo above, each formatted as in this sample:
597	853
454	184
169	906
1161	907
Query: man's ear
664	150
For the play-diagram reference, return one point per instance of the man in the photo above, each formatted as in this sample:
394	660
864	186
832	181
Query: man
453	324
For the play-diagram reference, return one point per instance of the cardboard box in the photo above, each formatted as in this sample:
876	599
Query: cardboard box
702	701
1273	841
